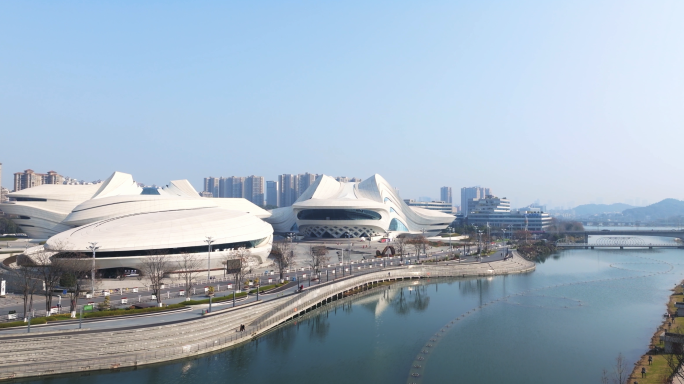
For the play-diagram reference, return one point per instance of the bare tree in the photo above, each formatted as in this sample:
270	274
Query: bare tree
620	369
156	267
188	270
401	245
243	256
418	243
75	268
27	280
675	351
283	256
49	272
318	255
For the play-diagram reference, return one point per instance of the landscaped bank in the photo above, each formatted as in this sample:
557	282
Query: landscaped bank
33	355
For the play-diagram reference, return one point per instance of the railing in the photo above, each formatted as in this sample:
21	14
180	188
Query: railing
28	356
619	245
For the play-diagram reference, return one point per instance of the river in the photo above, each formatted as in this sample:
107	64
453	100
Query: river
562	323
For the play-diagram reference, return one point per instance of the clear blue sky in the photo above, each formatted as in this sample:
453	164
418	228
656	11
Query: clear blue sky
568	102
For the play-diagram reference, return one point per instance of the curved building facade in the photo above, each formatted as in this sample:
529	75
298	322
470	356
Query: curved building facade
46	210
333	209
125	241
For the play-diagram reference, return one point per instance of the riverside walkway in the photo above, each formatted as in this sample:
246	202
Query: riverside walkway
64	351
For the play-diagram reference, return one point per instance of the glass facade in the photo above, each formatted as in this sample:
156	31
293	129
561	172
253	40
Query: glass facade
396	225
174	251
149	191
338	214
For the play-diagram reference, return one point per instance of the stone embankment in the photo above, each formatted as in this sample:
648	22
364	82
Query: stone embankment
51	353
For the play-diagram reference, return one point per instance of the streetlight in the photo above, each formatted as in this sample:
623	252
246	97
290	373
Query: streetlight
451	249
479	243
209	241
93	247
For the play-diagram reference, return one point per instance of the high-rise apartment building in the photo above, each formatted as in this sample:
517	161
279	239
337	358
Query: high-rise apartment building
29	179
254	189
211	185
288	185
250	188
231	187
304	181
3	191
272	194
445	195
470	196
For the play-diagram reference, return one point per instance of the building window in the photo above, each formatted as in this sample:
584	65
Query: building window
396	225
338	214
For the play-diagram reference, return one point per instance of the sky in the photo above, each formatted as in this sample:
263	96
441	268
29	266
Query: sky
565	102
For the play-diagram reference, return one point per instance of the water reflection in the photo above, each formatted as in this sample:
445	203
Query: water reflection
318	327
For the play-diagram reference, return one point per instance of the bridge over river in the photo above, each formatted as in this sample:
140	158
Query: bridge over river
622	242
605	232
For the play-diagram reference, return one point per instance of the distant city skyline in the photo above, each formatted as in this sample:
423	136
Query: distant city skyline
551	203
567	103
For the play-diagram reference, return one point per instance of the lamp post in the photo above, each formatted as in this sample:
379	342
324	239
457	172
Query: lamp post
93	247
479	243
209	241
451	249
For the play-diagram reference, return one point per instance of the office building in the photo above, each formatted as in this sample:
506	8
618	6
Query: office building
469	197
30	179
272	195
445	195
496	212
441	206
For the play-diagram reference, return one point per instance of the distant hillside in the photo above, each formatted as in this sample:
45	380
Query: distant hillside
660	210
597	209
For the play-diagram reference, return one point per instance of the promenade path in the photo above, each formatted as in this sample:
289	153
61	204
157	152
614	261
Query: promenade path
43	353
171	294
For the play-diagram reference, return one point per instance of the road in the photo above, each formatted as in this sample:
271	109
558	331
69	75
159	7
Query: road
362	266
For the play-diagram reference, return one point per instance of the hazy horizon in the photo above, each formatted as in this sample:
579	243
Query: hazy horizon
567	103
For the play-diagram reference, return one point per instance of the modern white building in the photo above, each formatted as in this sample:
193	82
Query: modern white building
125	241
46	210
441	206
496	212
333	209
129	222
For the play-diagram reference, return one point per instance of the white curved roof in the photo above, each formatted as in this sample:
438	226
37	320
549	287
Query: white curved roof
159	230
73	205
374	194
118	183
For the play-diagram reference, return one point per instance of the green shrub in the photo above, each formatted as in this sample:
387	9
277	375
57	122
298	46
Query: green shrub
36	321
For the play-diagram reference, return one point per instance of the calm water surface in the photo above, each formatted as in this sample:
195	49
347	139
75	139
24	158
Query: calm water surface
562	323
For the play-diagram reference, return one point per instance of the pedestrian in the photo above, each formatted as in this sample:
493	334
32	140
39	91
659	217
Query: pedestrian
643	372
650	360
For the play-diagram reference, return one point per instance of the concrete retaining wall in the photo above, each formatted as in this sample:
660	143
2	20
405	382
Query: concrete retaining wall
77	351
